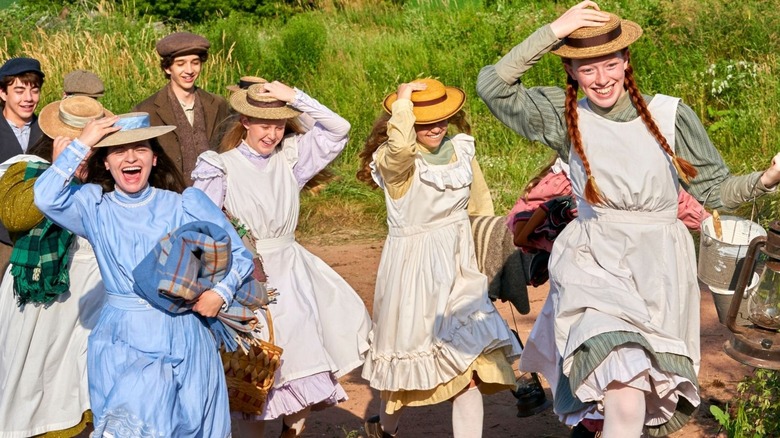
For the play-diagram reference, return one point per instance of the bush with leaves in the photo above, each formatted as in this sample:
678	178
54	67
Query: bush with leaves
756	411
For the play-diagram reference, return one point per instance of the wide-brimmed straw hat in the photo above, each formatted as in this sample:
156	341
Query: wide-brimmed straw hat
251	102
134	127
68	117
433	104
245	82
592	42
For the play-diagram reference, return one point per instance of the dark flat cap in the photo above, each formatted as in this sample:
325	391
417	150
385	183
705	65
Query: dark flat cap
17	66
82	83
182	43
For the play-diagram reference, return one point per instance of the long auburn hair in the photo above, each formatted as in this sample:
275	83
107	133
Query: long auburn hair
378	137
593	195
164	175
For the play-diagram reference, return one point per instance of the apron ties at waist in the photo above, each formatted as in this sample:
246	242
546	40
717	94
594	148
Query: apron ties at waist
263	245
410	230
587	212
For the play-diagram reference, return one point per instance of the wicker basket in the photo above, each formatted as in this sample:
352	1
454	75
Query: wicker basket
250	375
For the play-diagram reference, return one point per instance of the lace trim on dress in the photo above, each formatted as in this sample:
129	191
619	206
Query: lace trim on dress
113	197
121	423
209	165
455	175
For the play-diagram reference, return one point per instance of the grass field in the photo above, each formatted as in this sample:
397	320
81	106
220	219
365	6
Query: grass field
720	59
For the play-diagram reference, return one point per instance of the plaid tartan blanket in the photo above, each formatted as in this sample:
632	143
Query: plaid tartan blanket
39	259
189	261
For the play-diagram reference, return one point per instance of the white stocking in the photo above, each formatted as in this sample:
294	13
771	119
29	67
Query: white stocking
389	422
624	411
467	414
297	420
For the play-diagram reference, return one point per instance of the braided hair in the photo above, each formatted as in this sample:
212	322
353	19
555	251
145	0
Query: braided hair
593	195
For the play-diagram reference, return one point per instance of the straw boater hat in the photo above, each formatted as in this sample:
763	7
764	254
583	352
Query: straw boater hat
253	103
134	127
245	82
433	104
592	42
68	117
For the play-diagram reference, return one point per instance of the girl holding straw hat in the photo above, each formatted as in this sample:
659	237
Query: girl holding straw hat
320	322
619	333
437	336
50	298
151	373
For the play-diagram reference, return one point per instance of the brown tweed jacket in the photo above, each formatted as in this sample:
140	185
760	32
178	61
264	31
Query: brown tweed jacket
160	112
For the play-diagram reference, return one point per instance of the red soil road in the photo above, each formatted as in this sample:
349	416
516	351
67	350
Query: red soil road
357	262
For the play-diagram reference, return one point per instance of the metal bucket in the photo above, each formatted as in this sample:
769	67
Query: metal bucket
720	261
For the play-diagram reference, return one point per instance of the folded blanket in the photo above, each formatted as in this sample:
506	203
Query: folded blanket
506	267
189	261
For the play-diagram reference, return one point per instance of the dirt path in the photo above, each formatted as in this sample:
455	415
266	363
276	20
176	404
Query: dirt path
357	263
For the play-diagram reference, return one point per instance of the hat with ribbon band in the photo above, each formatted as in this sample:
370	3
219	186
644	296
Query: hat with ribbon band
134	127
595	41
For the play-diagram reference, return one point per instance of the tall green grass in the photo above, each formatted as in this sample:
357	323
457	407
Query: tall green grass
349	54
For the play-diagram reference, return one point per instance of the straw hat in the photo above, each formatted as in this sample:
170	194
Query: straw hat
434	104
17	196
245	82
68	117
251	102
135	127
592	42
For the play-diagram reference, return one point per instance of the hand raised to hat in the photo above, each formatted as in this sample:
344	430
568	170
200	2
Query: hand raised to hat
96	129
60	143
584	14
405	90
279	91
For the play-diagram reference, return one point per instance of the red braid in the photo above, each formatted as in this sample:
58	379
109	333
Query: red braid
592	193
685	170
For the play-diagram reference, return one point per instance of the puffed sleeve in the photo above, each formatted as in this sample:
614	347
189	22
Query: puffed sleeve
714	184
209	177
197	206
67	205
394	160
322	143
536	113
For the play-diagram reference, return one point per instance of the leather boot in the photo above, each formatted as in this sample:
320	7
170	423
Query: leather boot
374	428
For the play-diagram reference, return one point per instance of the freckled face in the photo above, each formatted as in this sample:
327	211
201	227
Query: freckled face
431	135
130	165
601	79
263	135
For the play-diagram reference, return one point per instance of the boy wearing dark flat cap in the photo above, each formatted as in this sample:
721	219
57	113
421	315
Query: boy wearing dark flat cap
20	88
195	112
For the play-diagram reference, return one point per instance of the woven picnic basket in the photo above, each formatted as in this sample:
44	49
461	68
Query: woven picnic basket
250	375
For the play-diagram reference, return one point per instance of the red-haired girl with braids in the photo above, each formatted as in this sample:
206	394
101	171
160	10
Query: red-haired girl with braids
618	337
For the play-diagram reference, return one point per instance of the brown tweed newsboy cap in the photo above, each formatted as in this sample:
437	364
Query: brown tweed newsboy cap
82	83
182	43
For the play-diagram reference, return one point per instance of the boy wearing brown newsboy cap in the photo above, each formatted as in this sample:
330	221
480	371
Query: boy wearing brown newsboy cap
195	112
